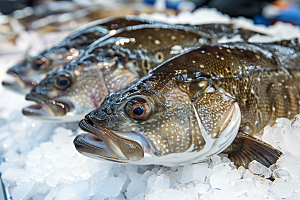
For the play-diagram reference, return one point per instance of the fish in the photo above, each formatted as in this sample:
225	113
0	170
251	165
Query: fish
110	63
211	99
30	71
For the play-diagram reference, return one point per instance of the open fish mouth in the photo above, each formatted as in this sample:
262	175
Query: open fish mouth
47	109
102	143
19	84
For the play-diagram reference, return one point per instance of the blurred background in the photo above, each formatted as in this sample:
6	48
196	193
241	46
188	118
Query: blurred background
262	11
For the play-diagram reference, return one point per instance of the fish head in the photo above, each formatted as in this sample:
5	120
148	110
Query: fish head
29	72
158	120
71	91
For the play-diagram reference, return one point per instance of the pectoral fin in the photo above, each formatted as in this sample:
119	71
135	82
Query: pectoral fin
245	148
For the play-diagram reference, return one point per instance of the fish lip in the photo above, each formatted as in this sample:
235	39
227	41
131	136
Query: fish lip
124	149
101	133
41	109
14	86
20	84
87	142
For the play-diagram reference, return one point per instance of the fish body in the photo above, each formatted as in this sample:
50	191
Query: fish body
212	99
32	70
218	30
71	91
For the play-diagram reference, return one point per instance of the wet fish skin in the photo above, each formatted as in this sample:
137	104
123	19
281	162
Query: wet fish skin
191	96
32	70
108	65
219	30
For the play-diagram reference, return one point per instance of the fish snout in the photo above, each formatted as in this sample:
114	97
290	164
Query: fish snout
19	82
45	107
103	143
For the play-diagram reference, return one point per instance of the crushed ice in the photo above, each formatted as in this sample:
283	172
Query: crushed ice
40	161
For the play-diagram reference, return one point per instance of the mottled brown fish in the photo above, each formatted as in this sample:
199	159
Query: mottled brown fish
71	91
32	70
212	99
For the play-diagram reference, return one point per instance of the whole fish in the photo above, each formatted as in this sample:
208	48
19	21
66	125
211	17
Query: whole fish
71	91
211	99
32	70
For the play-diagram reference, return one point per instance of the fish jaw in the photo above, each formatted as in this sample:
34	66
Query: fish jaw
47	109
102	143
18	86
19	83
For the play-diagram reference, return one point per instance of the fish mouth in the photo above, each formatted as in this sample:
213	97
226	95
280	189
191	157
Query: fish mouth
102	143
44	108
19	84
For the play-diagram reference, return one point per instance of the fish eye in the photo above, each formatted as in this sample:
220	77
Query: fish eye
40	64
137	108
63	81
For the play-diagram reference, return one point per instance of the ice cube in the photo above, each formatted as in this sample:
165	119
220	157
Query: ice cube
235	174
36	153
248	174
22	190
219	179
291	140
169	194
259	169
62	136
135	187
161	182
52	180
268	136
146	176
282	174
243	186
111	188
291	163
281	189
75	191
194	172
11	175
216	159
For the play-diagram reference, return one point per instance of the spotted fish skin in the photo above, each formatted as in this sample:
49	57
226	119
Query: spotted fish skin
218	30
265	82
32	70
180	110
